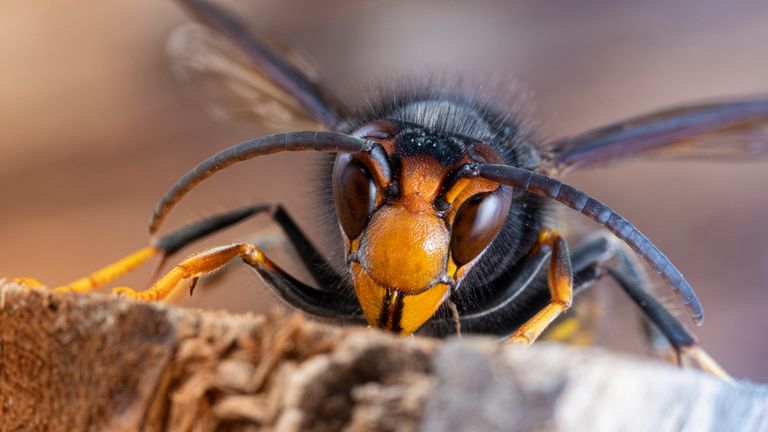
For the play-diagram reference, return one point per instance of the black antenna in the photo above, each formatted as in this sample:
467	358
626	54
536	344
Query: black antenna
548	187
294	141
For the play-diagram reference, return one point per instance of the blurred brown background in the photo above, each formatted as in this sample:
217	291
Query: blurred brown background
93	129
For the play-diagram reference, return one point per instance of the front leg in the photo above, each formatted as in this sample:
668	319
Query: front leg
560	283
169	244
317	265
333	306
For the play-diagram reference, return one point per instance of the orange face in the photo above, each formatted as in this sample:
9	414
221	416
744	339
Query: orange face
412	235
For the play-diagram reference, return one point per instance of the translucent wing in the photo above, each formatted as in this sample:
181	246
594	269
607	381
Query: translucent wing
736	130
245	79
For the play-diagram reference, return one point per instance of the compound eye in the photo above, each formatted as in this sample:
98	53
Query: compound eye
354	194
477	223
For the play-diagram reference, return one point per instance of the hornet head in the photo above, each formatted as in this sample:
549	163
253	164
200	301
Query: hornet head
414	221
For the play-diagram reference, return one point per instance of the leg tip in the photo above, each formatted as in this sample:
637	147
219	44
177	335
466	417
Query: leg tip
708	364
28	282
519	339
126	292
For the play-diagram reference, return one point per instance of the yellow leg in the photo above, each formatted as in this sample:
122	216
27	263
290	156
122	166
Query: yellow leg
100	277
28	282
580	326
706	362
194	267
164	247
693	356
560	281
103	276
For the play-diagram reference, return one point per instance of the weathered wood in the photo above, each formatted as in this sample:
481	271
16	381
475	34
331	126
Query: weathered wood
73	362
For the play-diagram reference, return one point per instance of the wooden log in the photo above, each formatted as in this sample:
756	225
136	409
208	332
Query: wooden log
95	362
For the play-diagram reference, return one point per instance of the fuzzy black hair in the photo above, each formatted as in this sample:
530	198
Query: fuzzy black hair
454	108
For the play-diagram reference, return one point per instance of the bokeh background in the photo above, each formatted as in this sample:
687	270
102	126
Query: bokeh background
93	129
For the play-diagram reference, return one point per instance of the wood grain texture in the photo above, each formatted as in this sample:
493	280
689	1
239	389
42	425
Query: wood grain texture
75	362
